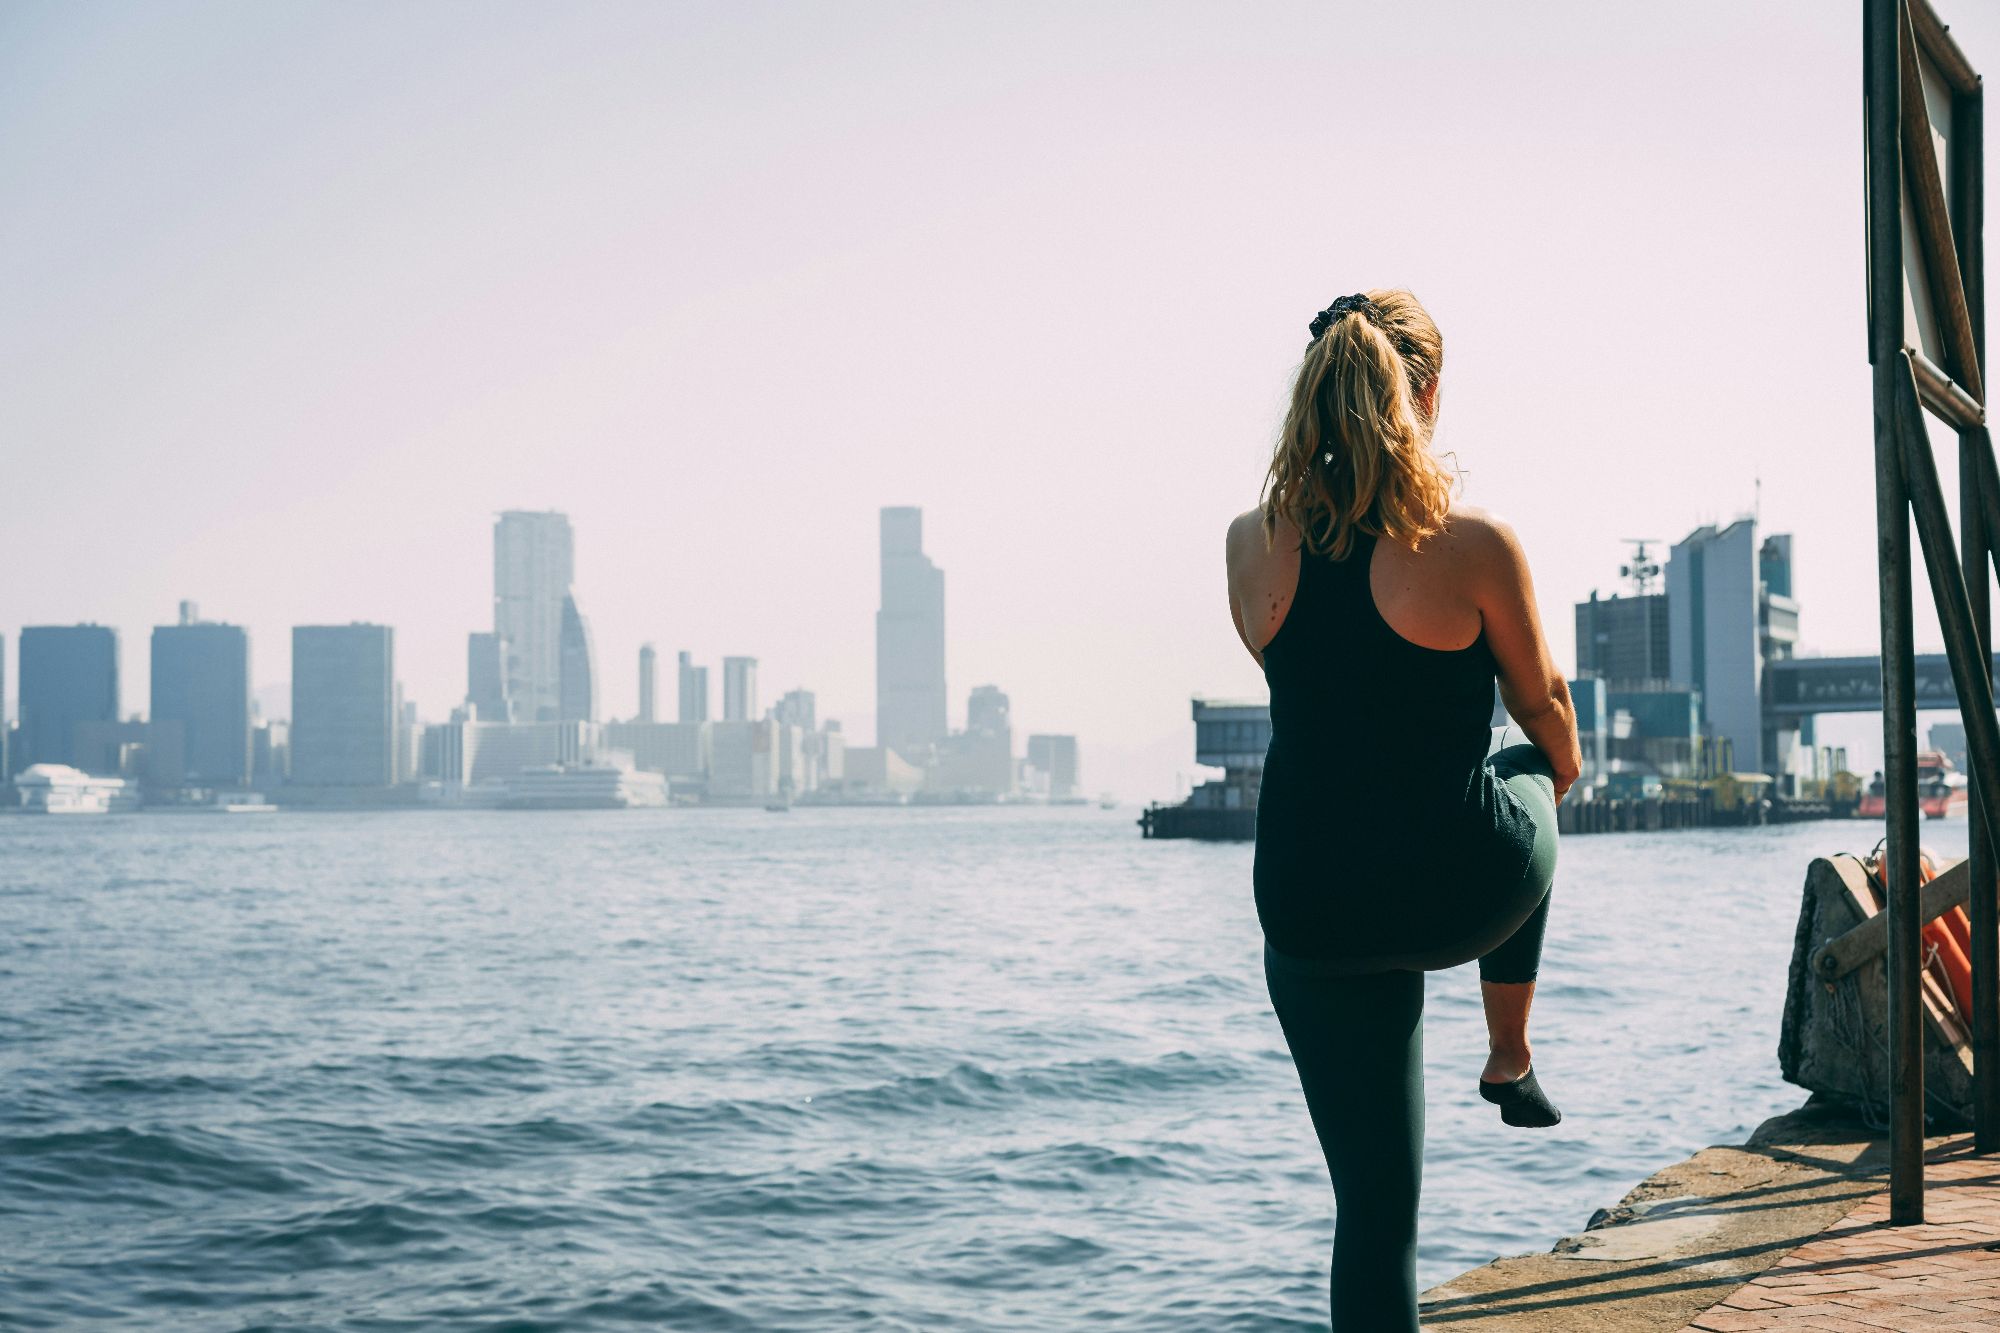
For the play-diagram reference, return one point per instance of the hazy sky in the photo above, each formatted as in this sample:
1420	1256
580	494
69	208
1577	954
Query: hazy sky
294	298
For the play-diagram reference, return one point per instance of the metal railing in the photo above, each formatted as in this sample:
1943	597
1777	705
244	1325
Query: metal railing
1907	48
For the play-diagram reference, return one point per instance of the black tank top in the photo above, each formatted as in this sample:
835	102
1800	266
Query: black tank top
1339	674
1375	784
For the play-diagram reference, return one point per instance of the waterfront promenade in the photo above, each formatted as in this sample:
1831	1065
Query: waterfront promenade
1786	1231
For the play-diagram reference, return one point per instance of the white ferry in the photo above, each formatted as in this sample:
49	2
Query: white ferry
58	789
584	787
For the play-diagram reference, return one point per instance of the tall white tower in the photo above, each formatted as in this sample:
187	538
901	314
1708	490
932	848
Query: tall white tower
909	640
533	567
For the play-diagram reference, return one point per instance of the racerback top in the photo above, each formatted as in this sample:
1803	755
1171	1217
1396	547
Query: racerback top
1340	674
1375	782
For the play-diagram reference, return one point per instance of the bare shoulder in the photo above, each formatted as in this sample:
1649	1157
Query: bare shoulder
1246	536
1481	536
1241	529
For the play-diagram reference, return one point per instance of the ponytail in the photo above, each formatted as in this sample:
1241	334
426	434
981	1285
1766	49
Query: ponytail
1355	448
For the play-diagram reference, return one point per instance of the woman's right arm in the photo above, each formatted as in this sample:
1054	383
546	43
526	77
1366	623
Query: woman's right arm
1533	689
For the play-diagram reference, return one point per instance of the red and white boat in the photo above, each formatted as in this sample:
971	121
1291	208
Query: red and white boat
1940	789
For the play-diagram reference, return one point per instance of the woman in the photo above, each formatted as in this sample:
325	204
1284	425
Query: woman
1388	842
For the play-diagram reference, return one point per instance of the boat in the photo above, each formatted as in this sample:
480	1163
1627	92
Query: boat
1941	789
778	807
58	789
1107	802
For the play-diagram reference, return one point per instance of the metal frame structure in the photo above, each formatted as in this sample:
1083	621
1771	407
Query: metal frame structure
1943	205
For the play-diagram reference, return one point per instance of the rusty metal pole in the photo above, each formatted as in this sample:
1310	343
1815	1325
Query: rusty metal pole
1884	20
1976	538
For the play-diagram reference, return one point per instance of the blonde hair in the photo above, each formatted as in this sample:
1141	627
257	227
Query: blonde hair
1355	449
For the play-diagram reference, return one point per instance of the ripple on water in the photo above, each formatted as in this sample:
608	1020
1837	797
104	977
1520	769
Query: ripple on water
851	1069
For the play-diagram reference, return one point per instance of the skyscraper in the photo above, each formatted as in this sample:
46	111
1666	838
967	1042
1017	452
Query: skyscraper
649	670
343	706
69	675
693	690
979	759
201	679
533	567
578	694
486	678
1055	757
987	711
1624	640
797	708
1726	622
739	689
909	640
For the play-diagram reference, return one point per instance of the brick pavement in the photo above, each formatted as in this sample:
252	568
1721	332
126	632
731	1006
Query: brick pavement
1861	1275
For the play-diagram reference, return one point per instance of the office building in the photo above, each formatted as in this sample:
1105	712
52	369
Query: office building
1054	759
1714	634
797	708
677	749
793	751
1725	622
69	676
271	754
1591	700
878	769
739	689
909	641
533	568
201	680
486	693
485	753
1232	735
1623	640
827	755
577	697
743	760
649	671
146	754
343	731
1655	728
980	759
693	690
1786	751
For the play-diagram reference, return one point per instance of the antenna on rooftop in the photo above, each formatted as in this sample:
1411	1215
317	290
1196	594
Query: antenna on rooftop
1641	569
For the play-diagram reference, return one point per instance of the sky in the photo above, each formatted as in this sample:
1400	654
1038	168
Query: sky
295	298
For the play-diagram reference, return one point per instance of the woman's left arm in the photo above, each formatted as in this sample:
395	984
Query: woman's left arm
1233	553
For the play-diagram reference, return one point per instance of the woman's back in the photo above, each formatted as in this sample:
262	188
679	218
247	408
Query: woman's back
1339	672
1374	784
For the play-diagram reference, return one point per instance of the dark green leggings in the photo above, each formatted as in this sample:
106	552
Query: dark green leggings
1358	1043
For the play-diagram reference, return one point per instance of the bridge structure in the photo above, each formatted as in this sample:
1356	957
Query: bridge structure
1800	687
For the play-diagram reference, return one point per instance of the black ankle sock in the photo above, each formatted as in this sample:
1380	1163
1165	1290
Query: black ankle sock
1521	1102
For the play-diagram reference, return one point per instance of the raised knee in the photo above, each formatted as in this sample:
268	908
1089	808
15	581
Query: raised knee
1524	758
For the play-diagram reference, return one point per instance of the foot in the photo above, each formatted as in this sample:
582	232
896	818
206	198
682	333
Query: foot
1506	1065
1521	1101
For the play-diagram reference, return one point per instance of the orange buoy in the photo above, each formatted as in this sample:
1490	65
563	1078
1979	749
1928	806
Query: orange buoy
1957	967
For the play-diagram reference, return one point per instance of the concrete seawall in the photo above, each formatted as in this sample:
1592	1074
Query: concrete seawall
1684	1238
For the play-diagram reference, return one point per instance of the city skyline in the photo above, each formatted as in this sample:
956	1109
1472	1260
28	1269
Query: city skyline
533	559
579	693
574	294
359	736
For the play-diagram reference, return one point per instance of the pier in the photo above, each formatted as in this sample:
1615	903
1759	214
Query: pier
1788	1230
1699	808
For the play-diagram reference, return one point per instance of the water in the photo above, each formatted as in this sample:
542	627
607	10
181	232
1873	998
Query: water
925	1070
